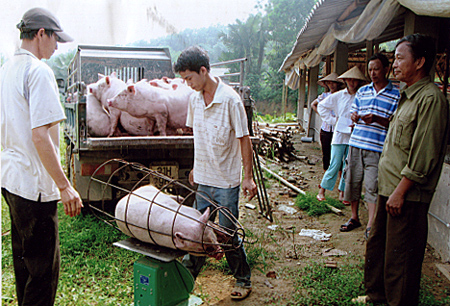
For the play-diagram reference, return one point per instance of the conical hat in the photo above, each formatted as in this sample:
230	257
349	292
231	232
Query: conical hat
353	73
332	77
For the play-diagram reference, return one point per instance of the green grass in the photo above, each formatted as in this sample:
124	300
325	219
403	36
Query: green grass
93	271
257	256
314	207
318	285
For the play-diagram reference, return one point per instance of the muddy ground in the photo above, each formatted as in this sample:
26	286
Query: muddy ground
291	250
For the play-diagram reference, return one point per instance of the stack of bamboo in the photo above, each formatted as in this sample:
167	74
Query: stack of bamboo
276	140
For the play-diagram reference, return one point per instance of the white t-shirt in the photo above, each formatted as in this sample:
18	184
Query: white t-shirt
340	103
29	98
217	127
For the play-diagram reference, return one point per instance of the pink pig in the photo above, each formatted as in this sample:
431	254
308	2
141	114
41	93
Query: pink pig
155	217
107	87
166	108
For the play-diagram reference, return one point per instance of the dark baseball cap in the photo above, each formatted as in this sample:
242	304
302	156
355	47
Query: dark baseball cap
38	18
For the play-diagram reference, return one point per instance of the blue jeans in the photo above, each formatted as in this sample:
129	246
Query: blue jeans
337	163
237	259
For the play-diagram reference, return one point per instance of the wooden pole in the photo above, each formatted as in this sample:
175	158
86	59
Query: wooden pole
295	188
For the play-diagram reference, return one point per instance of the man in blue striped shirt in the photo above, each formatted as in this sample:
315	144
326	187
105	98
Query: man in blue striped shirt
374	104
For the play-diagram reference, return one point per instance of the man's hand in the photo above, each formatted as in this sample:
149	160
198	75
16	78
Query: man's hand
369	118
395	202
71	201
249	188
355	117
394	205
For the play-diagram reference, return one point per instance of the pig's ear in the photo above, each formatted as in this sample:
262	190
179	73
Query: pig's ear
205	217
165	79
130	81
114	74
179	240
101	76
174	86
131	89
108	80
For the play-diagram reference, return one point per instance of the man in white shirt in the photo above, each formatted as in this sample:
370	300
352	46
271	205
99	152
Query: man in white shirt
32	178
221	139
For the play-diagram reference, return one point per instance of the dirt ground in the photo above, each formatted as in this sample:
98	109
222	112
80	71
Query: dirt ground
293	251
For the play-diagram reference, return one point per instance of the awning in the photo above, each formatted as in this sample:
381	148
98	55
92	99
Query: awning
366	22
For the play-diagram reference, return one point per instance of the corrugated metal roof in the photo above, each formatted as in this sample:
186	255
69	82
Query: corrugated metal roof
323	14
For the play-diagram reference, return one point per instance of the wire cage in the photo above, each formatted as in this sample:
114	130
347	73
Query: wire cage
162	216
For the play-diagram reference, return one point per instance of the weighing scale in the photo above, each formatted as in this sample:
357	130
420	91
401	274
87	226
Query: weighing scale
159	278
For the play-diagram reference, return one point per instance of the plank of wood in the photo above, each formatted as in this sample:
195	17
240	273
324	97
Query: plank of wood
295	188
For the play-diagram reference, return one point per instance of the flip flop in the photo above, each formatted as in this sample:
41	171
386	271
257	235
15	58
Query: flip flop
240	292
350	225
319	198
367	233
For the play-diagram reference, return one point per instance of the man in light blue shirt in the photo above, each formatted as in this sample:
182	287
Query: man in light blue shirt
374	104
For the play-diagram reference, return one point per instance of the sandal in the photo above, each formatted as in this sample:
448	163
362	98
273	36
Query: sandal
240	292
350	225
320	199
367	233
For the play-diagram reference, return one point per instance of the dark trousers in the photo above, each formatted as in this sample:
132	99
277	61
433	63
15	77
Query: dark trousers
395	252
325	141
35	248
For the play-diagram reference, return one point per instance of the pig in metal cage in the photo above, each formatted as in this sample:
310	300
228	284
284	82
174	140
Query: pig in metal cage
161	216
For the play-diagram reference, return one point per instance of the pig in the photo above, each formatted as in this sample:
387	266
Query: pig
107	87
166	108
155	217
98	122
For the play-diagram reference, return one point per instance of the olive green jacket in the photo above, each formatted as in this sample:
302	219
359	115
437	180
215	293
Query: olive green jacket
416	142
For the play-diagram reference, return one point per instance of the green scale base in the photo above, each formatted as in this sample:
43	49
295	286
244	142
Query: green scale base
158	283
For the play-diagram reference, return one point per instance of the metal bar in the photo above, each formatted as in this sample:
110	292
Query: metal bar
263	199
439	219
229	62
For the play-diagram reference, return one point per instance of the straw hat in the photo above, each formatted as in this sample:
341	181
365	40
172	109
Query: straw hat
353	73
332	77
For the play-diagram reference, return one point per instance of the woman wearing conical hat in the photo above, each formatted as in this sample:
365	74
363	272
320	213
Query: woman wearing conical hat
340	103
332	84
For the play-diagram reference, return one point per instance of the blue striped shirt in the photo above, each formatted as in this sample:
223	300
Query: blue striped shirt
368	101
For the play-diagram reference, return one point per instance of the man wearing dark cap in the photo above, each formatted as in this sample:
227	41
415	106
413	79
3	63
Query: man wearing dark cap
32	179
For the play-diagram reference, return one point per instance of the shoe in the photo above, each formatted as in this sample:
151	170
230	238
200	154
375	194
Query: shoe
350	225
364	299
346	203
240	292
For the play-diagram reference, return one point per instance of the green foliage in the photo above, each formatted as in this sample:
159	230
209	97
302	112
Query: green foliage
60	63
93	271
289	117
257	256
319	285
316	284
314	207
207	38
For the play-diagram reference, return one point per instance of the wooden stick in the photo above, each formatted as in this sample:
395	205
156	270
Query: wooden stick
295	188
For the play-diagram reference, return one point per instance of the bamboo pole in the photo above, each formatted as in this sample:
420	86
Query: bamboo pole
295	188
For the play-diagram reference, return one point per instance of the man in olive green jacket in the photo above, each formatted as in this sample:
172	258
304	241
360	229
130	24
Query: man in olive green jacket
409	169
